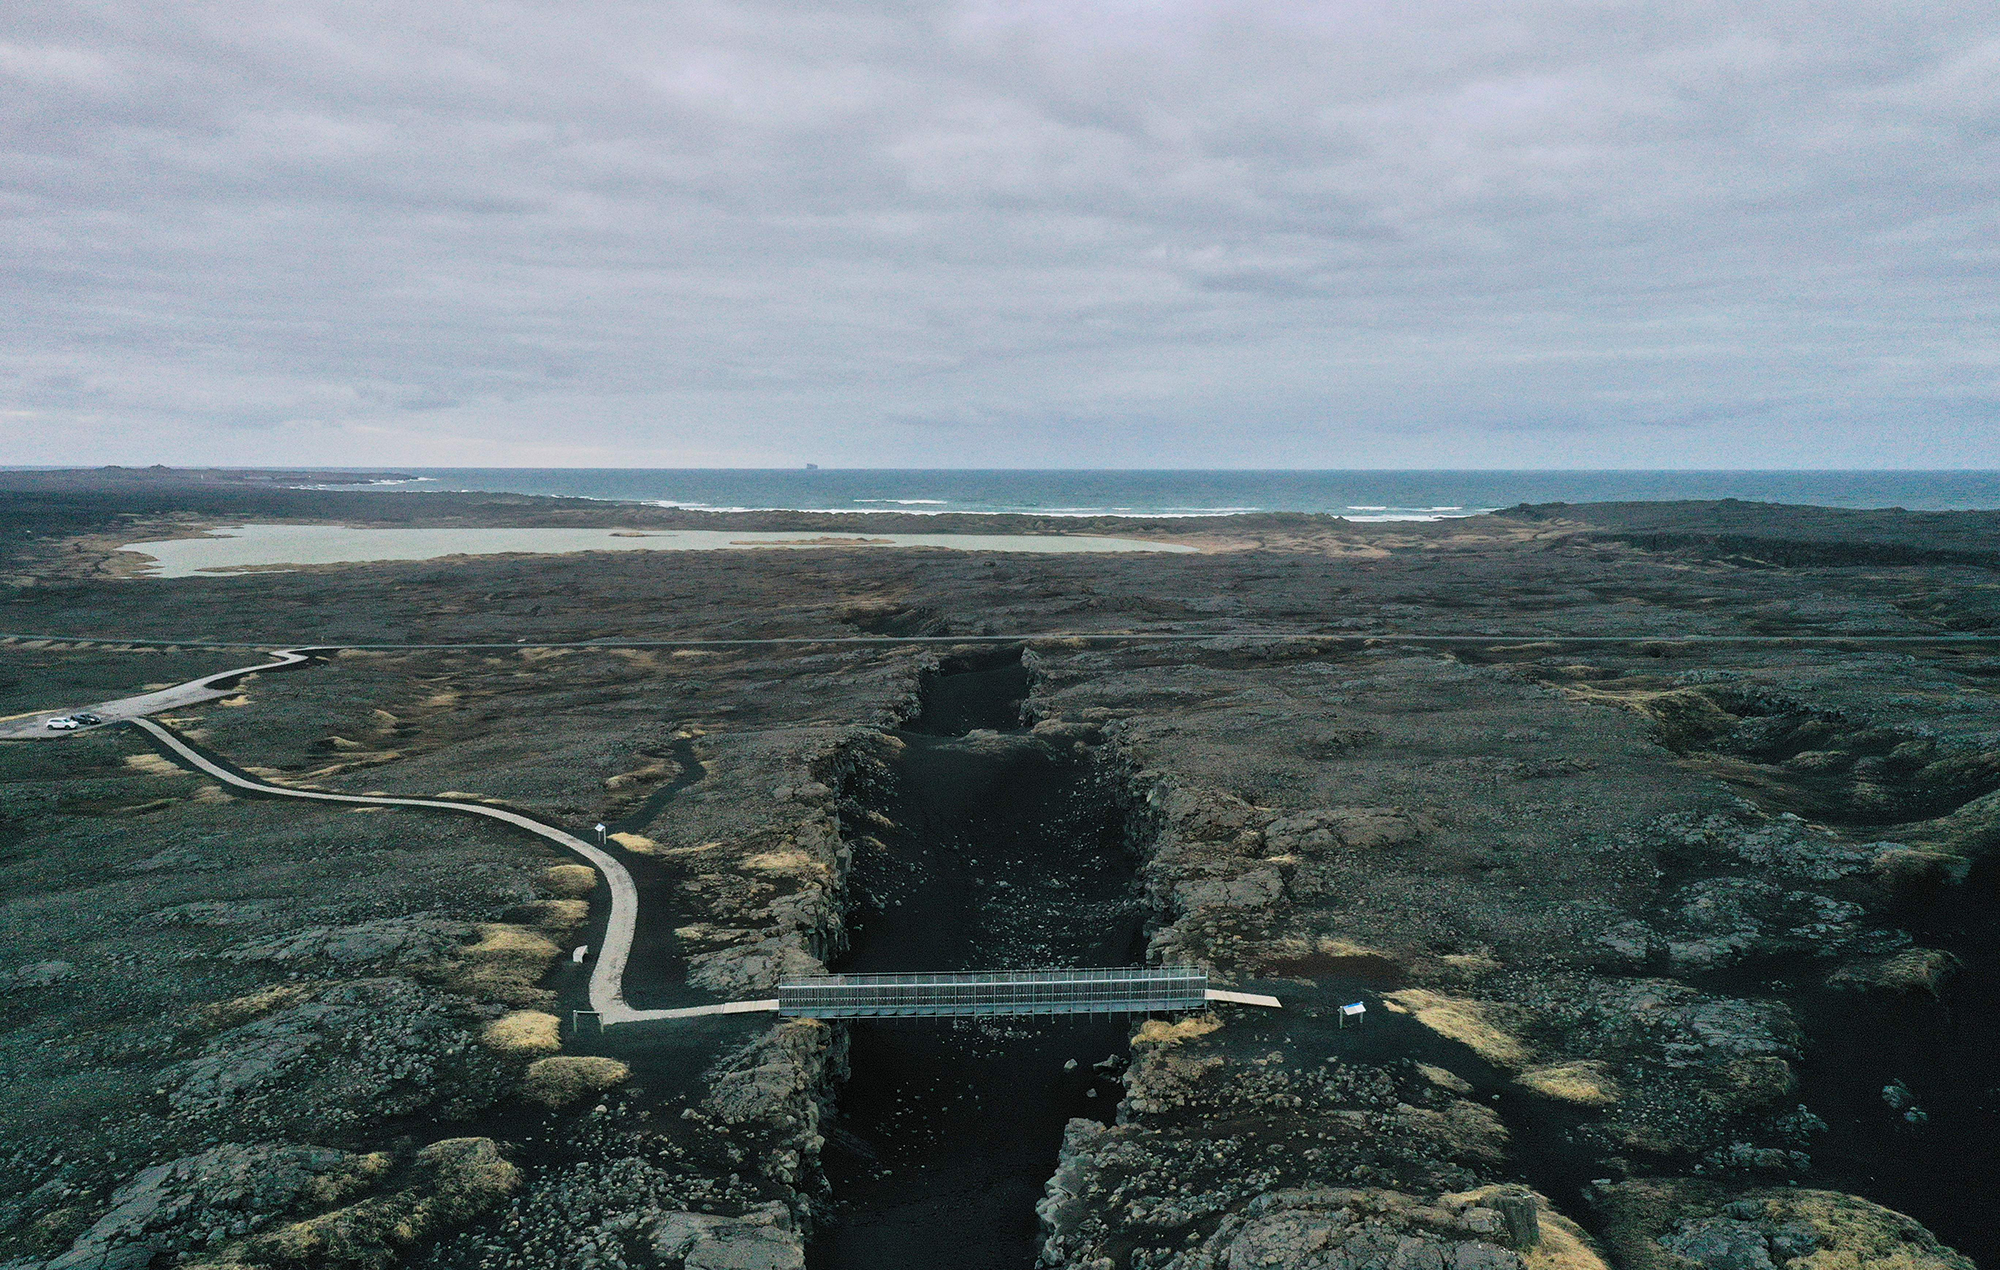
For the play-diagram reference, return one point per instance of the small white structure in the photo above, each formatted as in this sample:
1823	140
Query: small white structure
600	835
582	951
1357	1013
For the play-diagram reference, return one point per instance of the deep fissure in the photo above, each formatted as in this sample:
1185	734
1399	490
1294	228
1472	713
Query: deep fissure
977	844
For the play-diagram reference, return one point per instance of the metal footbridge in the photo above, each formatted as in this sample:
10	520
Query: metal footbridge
985	994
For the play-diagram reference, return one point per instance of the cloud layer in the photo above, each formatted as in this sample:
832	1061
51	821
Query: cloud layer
1177	233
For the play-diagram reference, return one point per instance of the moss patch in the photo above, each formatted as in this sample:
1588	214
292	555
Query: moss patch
1468	1022
790	861
505	965
524	1032
222	1015
456	1180
1161	1032
153	765
560	1081
558	917
1584	1084
1921	971
569	881
1857	1235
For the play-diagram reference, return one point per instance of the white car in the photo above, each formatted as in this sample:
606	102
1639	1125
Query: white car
64	724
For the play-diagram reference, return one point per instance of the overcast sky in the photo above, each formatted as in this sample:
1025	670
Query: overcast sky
1331	233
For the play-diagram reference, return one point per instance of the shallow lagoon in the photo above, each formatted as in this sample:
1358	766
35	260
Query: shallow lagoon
248	548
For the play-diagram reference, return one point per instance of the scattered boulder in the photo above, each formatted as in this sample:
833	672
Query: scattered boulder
1326	1228
1682	1222
1259	888
772	1076
751	969
761	1239
1356	827
1914	971
1065	733
36	974
337	1055
1909	871
416	939
451	1182
210	913
1721	1243
226	1192
1063	1206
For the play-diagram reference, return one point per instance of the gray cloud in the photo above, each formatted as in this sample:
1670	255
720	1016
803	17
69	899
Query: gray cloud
1567	232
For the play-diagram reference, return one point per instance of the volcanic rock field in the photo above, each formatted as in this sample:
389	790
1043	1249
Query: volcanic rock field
1658	841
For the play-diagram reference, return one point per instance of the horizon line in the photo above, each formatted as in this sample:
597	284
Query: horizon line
802	468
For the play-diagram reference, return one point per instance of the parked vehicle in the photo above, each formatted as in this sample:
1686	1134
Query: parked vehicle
64	724
87	719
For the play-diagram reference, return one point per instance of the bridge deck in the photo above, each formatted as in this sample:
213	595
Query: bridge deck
1124	990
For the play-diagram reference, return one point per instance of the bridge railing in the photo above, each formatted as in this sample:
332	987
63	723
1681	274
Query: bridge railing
1117	990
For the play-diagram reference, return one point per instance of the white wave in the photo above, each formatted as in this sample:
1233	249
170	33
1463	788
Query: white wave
1126	513
349	486
1065	512
943	507
1433	514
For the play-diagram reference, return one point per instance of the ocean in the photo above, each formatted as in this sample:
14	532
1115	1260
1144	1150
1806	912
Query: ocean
1356	495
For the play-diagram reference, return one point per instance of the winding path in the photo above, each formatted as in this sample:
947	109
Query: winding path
607	991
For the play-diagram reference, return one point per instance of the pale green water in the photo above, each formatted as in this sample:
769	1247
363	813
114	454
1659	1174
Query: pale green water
266	547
